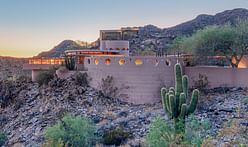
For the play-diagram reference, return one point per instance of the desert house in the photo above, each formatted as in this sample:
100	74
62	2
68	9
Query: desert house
139	78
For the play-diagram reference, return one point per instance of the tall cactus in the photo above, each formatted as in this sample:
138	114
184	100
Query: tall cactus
69	62
175	100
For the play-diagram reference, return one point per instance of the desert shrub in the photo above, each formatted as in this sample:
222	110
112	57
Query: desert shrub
45	77
82	79
73	131
202	82
50	143
245	100
161	133
7	94
23	78
115	136
196	131
234	133
108	88
3	138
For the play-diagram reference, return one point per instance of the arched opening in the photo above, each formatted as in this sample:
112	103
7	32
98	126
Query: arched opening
138	62
96	61
107	61
117	49
122	61
123	49
168	62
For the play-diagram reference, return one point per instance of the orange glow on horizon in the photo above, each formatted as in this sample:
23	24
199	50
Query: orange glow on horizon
18	53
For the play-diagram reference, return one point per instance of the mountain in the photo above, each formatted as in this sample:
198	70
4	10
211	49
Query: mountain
160	38
58	50
150	34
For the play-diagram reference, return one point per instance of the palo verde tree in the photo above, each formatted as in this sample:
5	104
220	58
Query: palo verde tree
227	40
175	100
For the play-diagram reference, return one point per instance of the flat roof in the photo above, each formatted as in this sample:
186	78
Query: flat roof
95	50
111	31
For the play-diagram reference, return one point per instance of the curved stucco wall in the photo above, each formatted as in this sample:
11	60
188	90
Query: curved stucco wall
137	83
120	45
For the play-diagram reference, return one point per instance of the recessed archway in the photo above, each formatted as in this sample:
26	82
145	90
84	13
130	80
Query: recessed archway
108	62
138	62
122	62
96	61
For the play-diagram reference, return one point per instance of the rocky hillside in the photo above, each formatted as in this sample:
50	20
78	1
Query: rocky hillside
31	109
152	35
11	68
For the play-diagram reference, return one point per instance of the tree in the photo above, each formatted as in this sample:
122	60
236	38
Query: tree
241	41
228	41
176	45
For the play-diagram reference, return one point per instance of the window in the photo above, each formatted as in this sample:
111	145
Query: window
138	62
122	61
88	61
96	61
107	61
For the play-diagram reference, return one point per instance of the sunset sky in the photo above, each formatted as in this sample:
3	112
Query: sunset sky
28	27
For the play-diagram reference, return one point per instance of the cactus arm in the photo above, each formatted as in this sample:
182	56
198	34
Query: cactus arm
172	90
172	106
163	95
185	86
194	101
183	111
177	101
178	78
168	103
182	99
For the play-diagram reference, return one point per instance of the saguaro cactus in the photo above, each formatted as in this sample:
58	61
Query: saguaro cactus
69	62
175	100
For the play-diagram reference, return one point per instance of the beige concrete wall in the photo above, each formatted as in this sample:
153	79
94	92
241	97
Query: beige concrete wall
141	84
114	44
143	81
219	76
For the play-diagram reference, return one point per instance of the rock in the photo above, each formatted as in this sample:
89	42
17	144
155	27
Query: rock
18	145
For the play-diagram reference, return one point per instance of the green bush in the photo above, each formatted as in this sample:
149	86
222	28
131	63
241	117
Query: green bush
196	131
73	131
45	77
3	138
50	143
161	133
115	136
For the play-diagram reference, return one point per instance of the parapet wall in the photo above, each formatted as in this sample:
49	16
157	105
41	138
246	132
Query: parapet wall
120	45
218	76
138	78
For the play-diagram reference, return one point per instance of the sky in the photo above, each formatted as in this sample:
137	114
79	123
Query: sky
28	27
